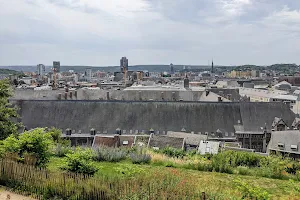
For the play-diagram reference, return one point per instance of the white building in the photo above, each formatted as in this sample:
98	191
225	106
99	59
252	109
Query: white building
208	147
258	95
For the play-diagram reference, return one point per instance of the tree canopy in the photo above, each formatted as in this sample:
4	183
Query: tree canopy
7	111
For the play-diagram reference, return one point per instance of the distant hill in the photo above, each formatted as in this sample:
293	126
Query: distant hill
152	68
9	71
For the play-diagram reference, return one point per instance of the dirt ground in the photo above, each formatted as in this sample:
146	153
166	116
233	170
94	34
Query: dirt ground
6	195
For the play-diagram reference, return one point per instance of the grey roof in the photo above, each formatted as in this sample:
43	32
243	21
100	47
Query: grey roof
165	141
190	139
296	122
78	135
277	120
254	116
287	138
143	115
211	96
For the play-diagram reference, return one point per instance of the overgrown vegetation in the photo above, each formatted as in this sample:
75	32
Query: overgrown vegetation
7	111
109	154
80	161
31	146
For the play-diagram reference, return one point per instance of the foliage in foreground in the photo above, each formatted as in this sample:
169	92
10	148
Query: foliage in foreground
31	146
7	112
47	185
80	162
109	154
140	158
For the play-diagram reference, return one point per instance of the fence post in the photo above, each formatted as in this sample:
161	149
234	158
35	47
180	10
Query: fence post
203	197
64	176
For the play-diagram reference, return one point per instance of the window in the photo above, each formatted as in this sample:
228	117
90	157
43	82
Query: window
294	147
281	145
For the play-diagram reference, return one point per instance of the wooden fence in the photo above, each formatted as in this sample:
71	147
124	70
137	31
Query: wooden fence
42	184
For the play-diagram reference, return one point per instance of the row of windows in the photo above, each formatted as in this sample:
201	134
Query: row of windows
248	136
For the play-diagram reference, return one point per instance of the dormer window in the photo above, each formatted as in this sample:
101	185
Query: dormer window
294	147
280	145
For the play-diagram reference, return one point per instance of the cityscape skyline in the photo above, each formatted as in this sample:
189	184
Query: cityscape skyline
233	32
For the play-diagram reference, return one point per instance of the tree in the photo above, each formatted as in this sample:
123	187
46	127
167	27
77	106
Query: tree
7	111
36	143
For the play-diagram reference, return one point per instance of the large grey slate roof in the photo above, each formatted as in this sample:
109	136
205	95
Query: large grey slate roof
161	116
256	115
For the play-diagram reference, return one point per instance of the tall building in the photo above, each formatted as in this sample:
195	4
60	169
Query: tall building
124	64
212	67
172	68
88	74
40	70
56	66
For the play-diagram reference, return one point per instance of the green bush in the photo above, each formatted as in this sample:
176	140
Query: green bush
61	150
172	152
243	170
36	143
109	154
140	158
251	192
9	145
221	163
238	158
80	162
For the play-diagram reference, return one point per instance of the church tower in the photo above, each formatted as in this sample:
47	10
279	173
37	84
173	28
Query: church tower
212	66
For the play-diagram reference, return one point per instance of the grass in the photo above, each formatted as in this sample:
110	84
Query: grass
219	184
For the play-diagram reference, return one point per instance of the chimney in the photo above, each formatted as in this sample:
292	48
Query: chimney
219	99
71	95
68	131
93	131
66	95
107	95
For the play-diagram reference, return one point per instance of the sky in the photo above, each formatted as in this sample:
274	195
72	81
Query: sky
191	32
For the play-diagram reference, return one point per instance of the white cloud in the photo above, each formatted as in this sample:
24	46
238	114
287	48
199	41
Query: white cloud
98	32
234	7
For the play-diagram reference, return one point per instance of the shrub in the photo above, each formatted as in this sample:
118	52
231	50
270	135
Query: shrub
10	145
221	163
80	162
172	152
251	192
109	154
61	150
36	143
140	158
243	170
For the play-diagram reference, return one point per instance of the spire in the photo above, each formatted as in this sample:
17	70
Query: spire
212	66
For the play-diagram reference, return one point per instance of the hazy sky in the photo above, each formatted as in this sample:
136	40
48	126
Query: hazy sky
99	32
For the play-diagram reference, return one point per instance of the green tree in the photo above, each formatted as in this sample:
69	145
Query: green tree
7	111
37	143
